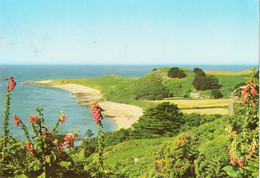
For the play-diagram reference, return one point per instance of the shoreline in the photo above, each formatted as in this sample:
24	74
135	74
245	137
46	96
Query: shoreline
123	115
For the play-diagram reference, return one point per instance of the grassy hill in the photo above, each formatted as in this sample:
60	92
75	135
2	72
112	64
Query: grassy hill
157	86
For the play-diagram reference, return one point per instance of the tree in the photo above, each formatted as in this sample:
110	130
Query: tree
199	72
175	72
215	93
164	119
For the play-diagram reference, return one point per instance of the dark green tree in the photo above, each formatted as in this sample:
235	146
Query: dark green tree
175	72
215	93
164	119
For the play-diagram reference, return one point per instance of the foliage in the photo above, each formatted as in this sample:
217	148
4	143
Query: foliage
176	158
163	120
244	154
205	83
215	93
175	72
199	72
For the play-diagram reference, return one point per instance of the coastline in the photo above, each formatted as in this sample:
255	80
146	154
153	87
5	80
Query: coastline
124	115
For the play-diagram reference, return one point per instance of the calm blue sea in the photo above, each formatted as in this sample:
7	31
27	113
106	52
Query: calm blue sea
25	98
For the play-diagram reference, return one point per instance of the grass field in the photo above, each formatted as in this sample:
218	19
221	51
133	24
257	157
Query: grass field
245	72
207	106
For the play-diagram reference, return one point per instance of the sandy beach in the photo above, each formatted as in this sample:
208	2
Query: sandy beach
124	115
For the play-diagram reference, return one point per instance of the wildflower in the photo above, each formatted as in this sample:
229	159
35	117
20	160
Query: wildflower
69	140
247	87
12	84
33	119
243	92
60	147
29	146
240	163
63	117
5	79
253	104
234	162
253	91
96	112
17	120
244	100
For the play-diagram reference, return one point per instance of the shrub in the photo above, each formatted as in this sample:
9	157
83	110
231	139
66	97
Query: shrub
151	88
205	83
176	158
164	119
215	93
175	72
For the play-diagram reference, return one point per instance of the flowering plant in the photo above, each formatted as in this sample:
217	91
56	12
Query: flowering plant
244	152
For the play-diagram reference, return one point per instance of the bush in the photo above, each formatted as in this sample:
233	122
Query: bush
199	72
205	83
175	72
216	94
176	158
164	119
151	88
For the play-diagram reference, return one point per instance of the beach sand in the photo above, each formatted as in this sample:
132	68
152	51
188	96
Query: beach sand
124	115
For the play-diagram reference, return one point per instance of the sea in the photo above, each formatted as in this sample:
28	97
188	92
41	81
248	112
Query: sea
25	98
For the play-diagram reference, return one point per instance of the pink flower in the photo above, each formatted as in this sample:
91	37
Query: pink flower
62	120
33	119
5	79
17	120
96	112
69	140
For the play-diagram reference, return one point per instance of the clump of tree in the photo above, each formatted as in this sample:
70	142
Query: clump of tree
151	88
203	82
175	72
164	119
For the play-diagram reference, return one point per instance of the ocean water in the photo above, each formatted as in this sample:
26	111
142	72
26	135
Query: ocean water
25	98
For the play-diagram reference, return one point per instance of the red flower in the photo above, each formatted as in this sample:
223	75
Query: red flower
33	119
96	112
253	104
60	147
63	117
17	120
247	87
5	79
240	163
253	91
243	92
31	149
69	140
244	100
12	84
234	162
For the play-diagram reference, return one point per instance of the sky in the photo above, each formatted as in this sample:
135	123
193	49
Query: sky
216	32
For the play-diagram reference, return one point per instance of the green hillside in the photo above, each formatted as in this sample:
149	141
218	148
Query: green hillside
153	86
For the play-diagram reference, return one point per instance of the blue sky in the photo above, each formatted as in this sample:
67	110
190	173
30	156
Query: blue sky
129	32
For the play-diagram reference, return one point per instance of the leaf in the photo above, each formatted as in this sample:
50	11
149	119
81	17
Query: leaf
231	172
